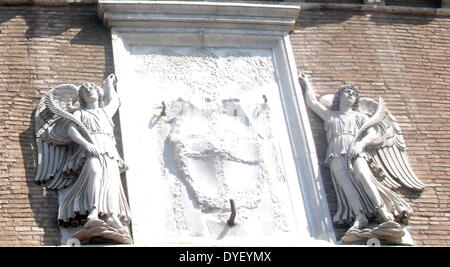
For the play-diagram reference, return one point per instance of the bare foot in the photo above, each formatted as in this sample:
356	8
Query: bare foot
93	215
114	221
386	215
360	222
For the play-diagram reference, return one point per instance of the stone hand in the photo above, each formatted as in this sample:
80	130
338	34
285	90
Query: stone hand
356	150
92	150
303	80
111	79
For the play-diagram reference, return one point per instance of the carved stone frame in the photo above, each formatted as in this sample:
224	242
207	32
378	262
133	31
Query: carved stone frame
230	25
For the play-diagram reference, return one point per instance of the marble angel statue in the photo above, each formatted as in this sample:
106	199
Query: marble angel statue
367	159
77	155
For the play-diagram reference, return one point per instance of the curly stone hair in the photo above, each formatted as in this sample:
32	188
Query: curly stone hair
337	96
84	88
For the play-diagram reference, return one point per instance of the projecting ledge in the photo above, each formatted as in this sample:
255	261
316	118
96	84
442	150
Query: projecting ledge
269	17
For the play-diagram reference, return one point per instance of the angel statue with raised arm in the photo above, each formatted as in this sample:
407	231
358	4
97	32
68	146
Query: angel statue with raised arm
77	156
367	159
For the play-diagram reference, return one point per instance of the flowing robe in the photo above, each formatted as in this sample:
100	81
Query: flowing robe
98	184
341	130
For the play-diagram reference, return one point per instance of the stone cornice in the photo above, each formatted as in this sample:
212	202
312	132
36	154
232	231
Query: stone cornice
421	11
226	15
46	2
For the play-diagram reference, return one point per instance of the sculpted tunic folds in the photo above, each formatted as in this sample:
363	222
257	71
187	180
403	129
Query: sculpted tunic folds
341	130
77	156
112	199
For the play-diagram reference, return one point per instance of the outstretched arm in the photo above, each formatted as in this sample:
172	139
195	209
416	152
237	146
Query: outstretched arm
110	97
311	100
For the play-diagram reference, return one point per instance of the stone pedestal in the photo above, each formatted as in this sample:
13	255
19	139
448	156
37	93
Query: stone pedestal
98	232
388	233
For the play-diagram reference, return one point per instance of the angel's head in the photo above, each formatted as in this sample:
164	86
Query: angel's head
89	93
348	95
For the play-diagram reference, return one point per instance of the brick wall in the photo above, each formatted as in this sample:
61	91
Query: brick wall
39	47
405	59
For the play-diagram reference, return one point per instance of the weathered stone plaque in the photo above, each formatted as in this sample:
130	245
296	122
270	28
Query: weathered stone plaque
214	132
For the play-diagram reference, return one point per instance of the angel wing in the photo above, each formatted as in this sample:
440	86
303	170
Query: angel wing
51	120
389	154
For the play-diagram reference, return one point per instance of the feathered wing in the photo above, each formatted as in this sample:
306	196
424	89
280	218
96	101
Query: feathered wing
389	154
54	147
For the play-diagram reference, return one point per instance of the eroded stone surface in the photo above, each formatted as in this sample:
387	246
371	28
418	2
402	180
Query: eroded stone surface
387	233
216	140
97	231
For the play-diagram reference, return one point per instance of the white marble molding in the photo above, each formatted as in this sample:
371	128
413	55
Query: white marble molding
216	26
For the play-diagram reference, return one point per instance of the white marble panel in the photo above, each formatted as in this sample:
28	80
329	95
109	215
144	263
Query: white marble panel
220	139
